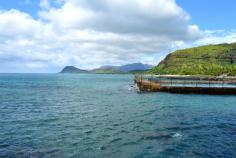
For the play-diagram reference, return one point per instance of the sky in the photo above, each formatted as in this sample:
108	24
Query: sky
43	36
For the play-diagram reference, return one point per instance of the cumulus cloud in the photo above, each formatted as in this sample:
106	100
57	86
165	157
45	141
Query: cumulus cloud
88	34
153	17
217	37
210	37
15	24
45	4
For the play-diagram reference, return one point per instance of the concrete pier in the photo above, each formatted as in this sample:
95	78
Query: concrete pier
186	84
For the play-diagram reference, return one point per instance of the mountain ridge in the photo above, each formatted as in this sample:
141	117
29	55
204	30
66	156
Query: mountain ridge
110	69
123	68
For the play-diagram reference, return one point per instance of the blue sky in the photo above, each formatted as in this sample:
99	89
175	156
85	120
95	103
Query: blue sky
30	7
46	35
211	14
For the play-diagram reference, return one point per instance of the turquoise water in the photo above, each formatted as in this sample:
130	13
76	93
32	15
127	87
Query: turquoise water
59	115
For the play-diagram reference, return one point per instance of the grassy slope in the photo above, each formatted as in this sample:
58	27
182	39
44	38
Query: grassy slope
204	60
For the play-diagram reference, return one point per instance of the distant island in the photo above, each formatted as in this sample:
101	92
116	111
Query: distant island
72	69
109	69
212	60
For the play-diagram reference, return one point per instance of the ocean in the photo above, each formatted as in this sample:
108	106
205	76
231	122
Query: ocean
103	116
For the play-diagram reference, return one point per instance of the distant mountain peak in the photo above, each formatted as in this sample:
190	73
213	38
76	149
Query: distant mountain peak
135	67
72	69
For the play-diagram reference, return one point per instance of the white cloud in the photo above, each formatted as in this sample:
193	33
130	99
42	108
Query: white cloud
15	24
153	17
210	37
217	37
88	34
44	4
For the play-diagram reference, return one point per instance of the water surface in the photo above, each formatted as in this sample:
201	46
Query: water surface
59	115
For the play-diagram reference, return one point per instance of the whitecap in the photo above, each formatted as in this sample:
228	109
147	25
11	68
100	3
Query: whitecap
177	135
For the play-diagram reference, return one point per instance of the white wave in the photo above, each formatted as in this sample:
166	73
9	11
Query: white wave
177	135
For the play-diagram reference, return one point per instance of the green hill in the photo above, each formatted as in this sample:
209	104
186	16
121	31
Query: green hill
205	60
72	69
